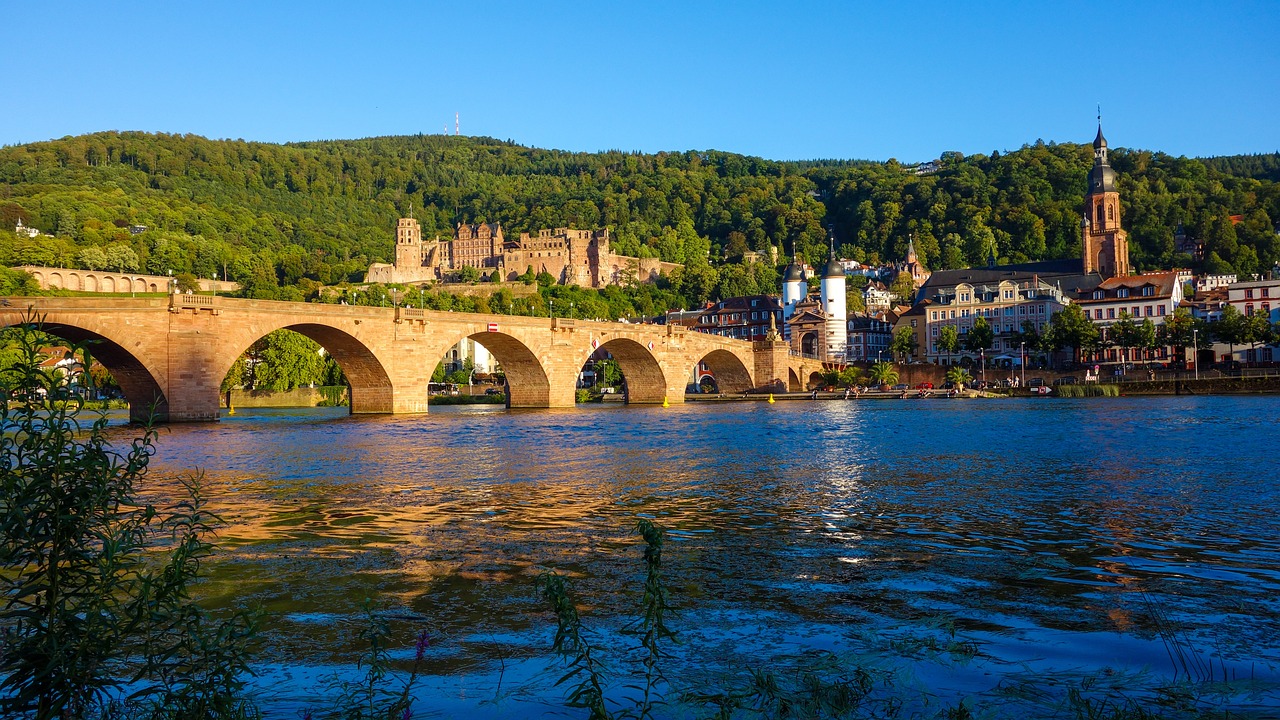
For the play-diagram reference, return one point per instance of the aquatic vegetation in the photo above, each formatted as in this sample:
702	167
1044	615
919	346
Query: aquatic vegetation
377	695
1087	390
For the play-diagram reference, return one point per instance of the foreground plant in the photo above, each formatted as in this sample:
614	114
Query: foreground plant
95	583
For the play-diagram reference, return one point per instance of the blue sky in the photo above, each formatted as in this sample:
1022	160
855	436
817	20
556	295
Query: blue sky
781	80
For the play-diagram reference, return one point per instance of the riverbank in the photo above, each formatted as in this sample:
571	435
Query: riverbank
1173	386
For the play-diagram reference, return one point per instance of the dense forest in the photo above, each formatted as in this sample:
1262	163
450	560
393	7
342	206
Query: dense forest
286	219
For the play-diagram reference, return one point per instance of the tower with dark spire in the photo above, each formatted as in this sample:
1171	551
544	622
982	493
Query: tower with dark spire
1105	245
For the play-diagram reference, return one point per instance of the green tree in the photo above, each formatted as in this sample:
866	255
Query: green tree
1071	328
903	345
468	274
284	360
903	289
1123	333
979	337
959	377
883	373
949	339
1231	328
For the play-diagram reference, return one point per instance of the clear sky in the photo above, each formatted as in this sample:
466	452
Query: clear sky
783	80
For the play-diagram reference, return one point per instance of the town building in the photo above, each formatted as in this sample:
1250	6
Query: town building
876	296
1260	297
1009	308
572	257
1150	296
869	338
750	317
25	231
1205	283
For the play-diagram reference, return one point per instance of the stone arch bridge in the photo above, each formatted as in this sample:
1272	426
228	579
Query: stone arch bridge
172	353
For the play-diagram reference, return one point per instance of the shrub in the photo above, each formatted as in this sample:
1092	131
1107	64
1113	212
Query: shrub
95	583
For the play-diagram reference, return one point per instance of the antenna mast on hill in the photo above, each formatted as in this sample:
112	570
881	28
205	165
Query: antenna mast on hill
457	127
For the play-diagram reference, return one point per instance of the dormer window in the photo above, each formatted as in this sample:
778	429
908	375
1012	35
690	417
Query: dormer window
1098	294
1148	291
1122	292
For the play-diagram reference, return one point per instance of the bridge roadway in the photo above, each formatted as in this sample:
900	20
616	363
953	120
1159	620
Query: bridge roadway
172	353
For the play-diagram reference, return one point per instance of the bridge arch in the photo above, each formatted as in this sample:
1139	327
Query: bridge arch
370	384
138	380
793	381
730	373
527	382
643	375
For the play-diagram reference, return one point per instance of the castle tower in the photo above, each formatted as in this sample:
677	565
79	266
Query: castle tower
833	302
1105	246
408	243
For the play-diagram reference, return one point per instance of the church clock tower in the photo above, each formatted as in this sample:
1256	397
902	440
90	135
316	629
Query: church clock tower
1105	244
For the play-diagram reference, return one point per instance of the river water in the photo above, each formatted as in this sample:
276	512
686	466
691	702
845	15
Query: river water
991	552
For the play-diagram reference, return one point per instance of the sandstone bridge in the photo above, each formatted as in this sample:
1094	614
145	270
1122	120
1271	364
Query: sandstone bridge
171	353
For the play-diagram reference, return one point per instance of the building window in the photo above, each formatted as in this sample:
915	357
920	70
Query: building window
1098	294
934	315
1162	311
1122	292
1150	311
1135	311
1248	309
1248	293
1111	313
1097	314
1266	292
935	332
913	322
1148	291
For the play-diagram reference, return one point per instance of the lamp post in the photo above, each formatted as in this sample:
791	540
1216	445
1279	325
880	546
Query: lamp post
1022	351
982	355
1195	350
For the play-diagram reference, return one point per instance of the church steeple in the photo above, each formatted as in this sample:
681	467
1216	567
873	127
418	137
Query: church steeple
1105	245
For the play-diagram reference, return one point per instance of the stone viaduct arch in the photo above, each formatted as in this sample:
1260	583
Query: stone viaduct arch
137	363
174	351
371	390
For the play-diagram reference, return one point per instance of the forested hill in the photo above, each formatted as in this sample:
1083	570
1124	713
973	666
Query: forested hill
297	214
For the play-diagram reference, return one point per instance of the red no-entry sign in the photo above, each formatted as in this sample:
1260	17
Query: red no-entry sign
493	327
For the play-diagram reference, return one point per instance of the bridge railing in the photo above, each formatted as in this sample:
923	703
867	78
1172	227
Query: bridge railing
183	301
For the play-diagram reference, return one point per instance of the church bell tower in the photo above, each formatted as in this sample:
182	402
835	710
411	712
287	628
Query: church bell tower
1105	246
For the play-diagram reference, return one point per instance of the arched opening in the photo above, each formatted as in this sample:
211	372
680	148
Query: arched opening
707	385
729	373
468	369
73	281
793	381
815	381
90	283
809	344
307	365
627	369
108	284
124	374
497	365
55	280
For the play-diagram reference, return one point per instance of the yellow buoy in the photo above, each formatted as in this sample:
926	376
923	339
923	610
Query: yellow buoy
231	410
770	398
665	403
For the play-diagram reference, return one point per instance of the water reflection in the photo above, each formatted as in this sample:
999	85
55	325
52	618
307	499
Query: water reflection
1042	530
